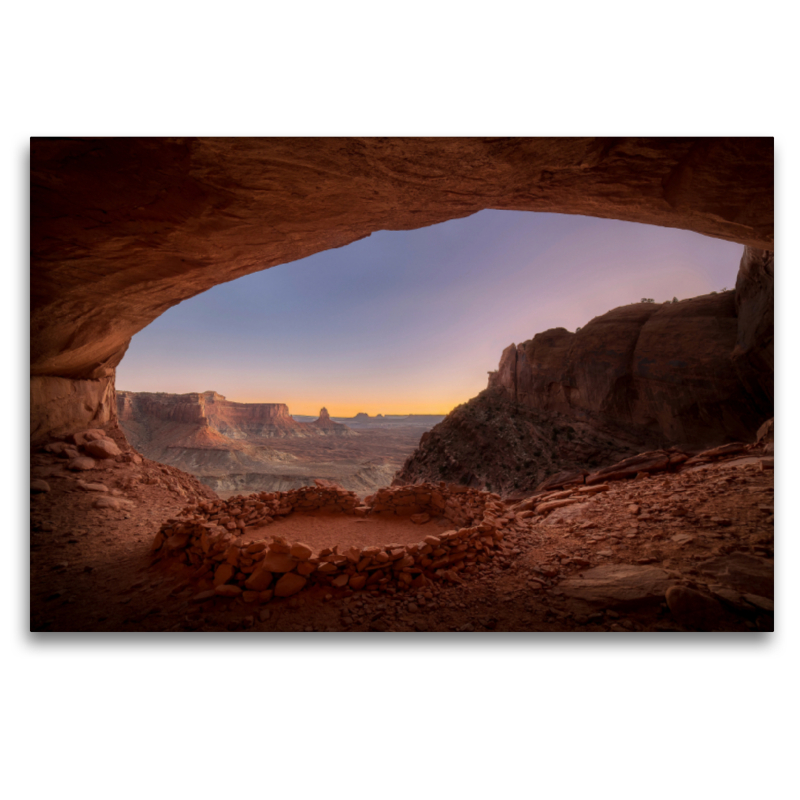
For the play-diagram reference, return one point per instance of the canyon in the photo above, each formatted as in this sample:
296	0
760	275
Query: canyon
642	401
248	447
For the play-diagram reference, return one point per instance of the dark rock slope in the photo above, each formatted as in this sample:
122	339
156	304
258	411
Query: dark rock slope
495	443
641	376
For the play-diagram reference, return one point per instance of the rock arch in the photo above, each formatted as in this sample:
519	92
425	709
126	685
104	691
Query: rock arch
123	229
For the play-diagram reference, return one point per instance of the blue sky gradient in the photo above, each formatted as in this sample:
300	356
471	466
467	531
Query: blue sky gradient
411	321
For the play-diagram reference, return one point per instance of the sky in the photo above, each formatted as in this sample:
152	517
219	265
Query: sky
409	322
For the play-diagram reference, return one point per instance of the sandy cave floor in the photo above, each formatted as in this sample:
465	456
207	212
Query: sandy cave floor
91	568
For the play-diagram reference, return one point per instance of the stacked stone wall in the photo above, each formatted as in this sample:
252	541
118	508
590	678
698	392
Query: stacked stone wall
208	537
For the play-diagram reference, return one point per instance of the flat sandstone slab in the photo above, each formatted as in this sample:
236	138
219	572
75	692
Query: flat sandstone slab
618	584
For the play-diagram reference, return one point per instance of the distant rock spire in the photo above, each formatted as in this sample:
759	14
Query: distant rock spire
323	413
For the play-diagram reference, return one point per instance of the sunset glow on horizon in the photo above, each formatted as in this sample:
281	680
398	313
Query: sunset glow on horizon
410	322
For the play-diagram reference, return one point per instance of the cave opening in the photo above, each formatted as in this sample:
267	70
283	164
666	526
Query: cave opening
386	336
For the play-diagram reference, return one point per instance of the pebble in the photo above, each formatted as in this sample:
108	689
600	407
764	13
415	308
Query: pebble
39	487
107	502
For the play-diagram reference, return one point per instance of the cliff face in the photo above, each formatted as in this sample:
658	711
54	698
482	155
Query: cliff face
664	369
754	351
209	420
691	374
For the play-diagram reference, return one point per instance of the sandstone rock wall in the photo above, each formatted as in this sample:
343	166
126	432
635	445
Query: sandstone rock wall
60	406
151	410
754	351
123	229
659	368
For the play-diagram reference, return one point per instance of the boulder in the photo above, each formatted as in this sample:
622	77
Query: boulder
762	603
62	449
748	574
766	436
39	486
652	461
544	508
223	574
259	580
289	584
88	435
567	478
81	463
300	551
228	590
358	581
716	452
102	448
278	562
614	585
694	608
113	503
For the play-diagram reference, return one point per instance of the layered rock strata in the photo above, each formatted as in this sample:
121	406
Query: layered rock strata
150	414
205	433
240	446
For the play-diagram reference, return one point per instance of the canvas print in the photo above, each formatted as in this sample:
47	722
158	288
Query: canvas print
402	385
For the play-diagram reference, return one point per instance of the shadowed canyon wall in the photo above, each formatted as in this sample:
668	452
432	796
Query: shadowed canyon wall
123	229
690	374
657	368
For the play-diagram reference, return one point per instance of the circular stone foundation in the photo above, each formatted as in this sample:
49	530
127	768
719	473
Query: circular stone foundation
401	538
